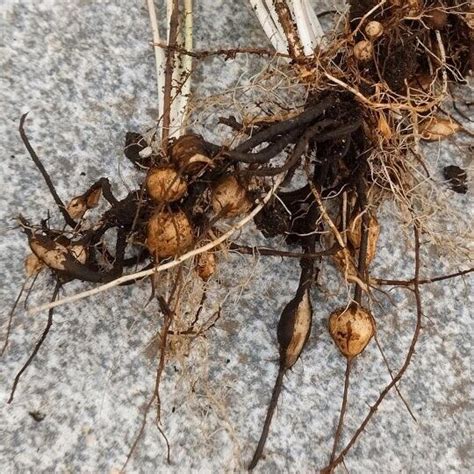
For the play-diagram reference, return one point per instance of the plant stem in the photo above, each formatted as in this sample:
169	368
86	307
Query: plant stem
159	56
340	423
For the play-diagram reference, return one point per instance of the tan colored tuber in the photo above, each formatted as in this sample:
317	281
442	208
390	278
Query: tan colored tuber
168	234
165	185
79	205
229	198
79	252
373	30
345	263
55	255
351	329
298	325
189	154
363	51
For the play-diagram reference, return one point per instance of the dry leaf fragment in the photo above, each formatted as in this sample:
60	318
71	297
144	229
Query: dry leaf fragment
383	127
437	128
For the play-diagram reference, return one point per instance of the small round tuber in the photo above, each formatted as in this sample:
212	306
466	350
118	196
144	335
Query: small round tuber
229	198
436	18
189	154
206	265
168	233
165	184
373	30
413	7
351	329
363	51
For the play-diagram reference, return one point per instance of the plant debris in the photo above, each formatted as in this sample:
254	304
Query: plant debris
372	92
456	178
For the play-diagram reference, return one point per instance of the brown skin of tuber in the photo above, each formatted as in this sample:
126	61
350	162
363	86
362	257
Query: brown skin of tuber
165	185
33	265
294	328
363	51
168	234
436	19
229	198
189	154
352	329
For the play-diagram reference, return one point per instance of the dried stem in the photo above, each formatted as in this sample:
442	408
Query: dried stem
226	52
38	344
424	281
46	177
269	252
268	419
342	412
286	21
272	29
10	316
364	239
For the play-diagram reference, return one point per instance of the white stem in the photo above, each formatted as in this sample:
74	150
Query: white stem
159	56
276	22
315	27
184	71
165	266
174	114
169	12
299	14
269	27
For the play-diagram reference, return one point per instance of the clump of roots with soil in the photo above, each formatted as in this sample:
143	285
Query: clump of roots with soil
340	131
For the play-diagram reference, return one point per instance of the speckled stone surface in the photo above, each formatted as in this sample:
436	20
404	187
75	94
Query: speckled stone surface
85	73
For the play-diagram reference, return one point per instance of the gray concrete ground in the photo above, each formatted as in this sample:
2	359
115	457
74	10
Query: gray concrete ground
85	73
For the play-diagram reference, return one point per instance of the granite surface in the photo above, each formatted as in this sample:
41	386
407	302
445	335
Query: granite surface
85	72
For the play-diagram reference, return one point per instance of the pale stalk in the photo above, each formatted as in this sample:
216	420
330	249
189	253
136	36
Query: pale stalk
185	66
174	113
266	21
274	16
299	14
315	27
159	56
